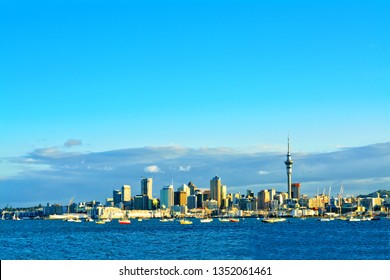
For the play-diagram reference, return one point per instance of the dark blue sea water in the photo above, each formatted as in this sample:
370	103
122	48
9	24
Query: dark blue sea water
150	240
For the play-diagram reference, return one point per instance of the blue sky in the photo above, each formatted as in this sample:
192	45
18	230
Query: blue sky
238	75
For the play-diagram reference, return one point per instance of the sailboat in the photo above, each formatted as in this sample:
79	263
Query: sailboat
272	220
88	219
100	222
16	218
206	220
124	220
185	222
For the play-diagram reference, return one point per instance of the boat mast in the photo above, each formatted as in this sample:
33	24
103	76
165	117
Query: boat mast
330	205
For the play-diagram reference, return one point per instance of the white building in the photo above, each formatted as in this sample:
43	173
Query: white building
167	196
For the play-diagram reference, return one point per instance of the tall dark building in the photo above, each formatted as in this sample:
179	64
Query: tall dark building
295	190
146	187
192	187
216	190
117	197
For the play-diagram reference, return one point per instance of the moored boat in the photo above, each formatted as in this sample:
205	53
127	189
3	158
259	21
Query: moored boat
185	222
88	219
353	219
166	220
124	222
273	220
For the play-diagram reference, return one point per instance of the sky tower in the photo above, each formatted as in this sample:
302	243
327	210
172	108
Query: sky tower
289	164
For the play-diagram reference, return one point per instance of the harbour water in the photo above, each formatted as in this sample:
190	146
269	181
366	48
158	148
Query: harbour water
153	240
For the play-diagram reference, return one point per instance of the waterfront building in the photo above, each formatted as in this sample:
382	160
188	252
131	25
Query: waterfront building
117	197
54	209
192	202
247	204
295	190
318	202
263	198
371	202
109	202
236	198
109	212
206	195
146	187
199	199
274	205
279	198
272	193
126	193
180	198
216	190
289	164
178	210
212	205
304	201
141	202
167	196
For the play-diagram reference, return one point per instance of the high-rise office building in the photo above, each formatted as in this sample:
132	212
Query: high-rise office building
272	193
167	196
263	198
192	202
146	187
117	197
206	195
199	199
216	190
180	198
185	188
141	202
295	190
289	164
192	187
126	193
250	193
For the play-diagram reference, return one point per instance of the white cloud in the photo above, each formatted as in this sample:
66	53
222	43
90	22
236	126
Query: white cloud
153	169
360	169
185	169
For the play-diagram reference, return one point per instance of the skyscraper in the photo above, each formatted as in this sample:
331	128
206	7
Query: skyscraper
117	197
192	187
295	193
180	198
263	200
192	202
289	164
167	196
126	193
146	187
216	190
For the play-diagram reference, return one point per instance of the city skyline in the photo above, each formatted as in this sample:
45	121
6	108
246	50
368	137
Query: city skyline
96	94
92	176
